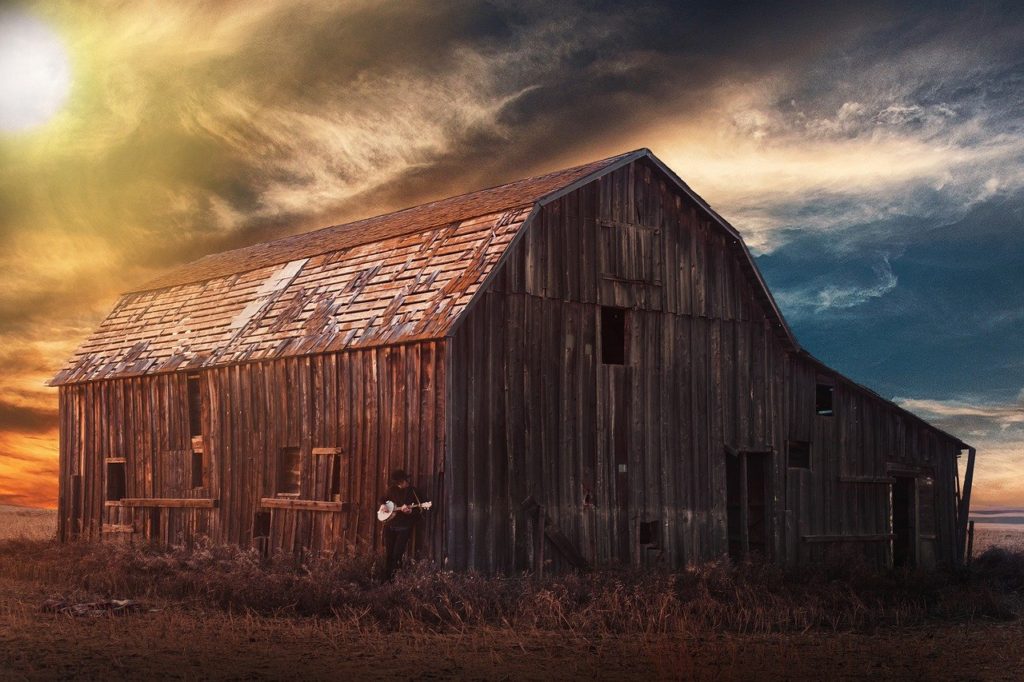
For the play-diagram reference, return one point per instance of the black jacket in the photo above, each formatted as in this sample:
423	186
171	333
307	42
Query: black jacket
399	496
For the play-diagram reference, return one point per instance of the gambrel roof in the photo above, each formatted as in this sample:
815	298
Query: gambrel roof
399	277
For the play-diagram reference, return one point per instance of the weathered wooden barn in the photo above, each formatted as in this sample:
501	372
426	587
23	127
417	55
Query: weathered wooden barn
584	367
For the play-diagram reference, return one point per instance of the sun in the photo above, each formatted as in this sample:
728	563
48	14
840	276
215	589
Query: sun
35	75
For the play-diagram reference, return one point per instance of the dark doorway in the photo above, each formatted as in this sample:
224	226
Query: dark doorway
747	503
620	443
904	521
154	525
76	506
261	532
613	335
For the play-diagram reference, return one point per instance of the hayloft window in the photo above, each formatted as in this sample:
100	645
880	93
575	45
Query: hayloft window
799	455
288	472
116	479
824	393
613	336
195	406
631	253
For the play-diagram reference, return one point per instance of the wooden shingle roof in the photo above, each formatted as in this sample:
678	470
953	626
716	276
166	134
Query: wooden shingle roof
380	228
399	277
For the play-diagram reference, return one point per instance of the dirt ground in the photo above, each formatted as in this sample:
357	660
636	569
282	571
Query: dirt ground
169	641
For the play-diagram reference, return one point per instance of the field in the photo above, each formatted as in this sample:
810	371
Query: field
224	614
23	522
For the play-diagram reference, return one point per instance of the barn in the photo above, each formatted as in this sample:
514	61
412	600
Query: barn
581	368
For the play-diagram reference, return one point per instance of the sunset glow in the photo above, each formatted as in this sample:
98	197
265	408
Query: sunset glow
35	76
871	157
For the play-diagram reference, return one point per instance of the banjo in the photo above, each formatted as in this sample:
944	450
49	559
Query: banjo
388	510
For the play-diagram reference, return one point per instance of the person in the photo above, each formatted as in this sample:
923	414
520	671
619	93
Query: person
399	528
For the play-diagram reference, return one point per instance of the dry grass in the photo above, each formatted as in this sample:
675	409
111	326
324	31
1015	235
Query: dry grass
718	597
225	613
26	523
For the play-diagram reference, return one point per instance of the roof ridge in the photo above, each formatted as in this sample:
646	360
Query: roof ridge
180	274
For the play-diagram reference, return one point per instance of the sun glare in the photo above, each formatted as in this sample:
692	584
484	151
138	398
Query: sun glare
35	75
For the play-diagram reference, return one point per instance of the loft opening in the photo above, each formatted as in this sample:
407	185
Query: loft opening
824	397
195	405
613	335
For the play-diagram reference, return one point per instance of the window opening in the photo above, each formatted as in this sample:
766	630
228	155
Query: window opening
288	472
116	481
613	336
335	492
197	469
649	533
195	406
261	524
823	399
799	454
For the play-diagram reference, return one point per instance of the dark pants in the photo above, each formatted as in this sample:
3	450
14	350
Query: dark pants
395	542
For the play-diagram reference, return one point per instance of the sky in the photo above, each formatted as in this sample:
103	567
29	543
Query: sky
869	153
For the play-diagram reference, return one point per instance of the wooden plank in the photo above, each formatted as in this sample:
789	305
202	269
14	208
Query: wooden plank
880	480
118	528
876	537
196	502
565	546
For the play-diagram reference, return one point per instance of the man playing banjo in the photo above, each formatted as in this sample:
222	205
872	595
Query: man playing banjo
401	505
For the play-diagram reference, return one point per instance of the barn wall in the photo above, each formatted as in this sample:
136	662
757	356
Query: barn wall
537	417
378	408
535	413
842	503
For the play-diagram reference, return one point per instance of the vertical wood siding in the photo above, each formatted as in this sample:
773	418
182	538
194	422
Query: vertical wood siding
380	408
535	413
516	411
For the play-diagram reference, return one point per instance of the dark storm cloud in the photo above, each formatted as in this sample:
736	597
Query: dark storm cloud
22	414
585	73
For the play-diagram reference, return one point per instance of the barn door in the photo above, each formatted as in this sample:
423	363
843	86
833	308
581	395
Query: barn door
747	498
615	421
903	513
75	519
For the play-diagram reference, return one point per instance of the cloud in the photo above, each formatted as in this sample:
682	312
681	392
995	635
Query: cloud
19	418
28	469
995	423
996	430
193	127
820	296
